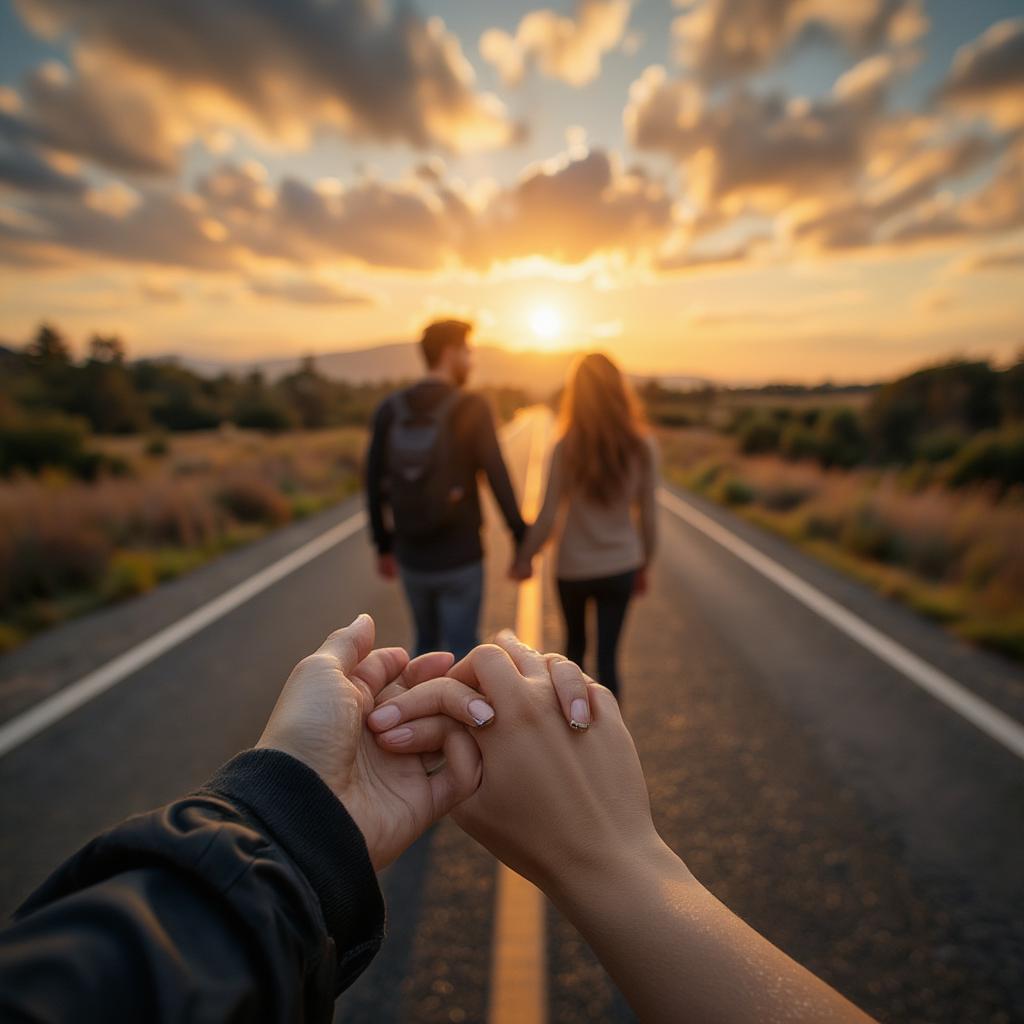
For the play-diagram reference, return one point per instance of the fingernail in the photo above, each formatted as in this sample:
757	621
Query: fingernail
579	714
398	736
385	716
506	634
482	712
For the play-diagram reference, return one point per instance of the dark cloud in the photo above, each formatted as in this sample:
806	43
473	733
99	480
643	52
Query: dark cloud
763	148
90	114
724	39
157	228
567	209
280	68
26	171
987	75
996	206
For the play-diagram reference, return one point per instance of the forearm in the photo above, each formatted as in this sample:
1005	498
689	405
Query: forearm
221	905
678	954
376	469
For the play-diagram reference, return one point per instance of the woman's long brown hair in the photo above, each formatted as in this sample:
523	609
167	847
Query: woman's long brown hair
602	428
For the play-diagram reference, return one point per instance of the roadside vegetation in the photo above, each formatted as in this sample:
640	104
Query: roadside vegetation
116	476
917	488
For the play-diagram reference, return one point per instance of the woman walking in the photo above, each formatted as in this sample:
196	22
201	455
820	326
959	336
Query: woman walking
602	479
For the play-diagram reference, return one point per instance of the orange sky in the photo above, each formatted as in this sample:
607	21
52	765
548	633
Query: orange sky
819	192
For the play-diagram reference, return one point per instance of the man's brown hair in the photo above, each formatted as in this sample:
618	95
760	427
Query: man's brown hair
441	335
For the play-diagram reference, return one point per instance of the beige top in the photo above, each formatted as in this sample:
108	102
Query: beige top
597	540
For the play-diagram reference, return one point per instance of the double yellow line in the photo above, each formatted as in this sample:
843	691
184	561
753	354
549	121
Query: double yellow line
519	968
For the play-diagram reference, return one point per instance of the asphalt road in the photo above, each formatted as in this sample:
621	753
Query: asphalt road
849	816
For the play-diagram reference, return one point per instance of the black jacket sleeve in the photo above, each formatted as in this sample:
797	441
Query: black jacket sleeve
376	474
493	464
253	899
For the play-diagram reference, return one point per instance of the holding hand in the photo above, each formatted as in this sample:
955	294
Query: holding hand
320	719
520	569
551	802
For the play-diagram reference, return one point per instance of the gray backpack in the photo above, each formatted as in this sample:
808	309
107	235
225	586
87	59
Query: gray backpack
421	466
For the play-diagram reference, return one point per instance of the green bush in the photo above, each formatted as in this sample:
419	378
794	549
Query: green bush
130	573
865	533
736	492
996	456
32	444
799	441
939	445
841	441
760	435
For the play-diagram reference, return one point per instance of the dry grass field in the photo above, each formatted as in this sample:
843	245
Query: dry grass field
67	545
954	555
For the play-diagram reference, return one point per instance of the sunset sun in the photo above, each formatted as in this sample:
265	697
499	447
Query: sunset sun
546	324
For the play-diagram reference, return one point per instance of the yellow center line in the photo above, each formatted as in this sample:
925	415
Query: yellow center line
519	969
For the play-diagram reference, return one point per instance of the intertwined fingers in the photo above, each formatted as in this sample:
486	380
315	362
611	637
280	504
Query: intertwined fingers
419	670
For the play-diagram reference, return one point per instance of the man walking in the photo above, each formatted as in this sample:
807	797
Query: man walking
429	443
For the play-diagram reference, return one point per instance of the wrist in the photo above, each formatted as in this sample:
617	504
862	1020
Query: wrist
628	866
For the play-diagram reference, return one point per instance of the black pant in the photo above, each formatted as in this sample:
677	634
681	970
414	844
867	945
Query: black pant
612	594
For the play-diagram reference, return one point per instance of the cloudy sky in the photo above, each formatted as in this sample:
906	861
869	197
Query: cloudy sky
749	189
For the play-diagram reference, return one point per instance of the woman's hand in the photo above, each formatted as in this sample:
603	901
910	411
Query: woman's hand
319	719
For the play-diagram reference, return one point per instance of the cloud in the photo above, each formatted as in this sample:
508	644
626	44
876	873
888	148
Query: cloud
570	209
93	115
281	69
162	292
570	49
161	228
719	40
763	149
567	210
987	76
24	170
721	259
997	259
308	292
994	207
840	172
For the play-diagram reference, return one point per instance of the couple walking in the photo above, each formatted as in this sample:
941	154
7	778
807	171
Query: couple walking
429	445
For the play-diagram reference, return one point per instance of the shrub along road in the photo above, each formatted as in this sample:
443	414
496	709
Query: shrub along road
853	819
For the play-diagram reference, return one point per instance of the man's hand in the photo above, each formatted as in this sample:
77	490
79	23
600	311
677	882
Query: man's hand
320	719
387	567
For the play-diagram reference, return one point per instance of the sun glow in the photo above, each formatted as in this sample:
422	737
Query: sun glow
546	323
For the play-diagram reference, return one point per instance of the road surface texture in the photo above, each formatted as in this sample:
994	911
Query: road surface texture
849	816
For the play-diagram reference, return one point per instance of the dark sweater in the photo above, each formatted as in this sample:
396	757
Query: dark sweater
253	899
475	442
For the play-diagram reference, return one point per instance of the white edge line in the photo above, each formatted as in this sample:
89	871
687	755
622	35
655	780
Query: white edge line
30	723
990	720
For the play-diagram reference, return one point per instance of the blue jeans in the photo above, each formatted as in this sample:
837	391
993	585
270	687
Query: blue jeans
445	607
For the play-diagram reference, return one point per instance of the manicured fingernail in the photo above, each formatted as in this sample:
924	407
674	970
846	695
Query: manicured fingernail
482	712
385	716
579	714
398	736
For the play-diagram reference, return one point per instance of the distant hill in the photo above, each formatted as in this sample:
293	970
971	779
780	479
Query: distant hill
536	372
